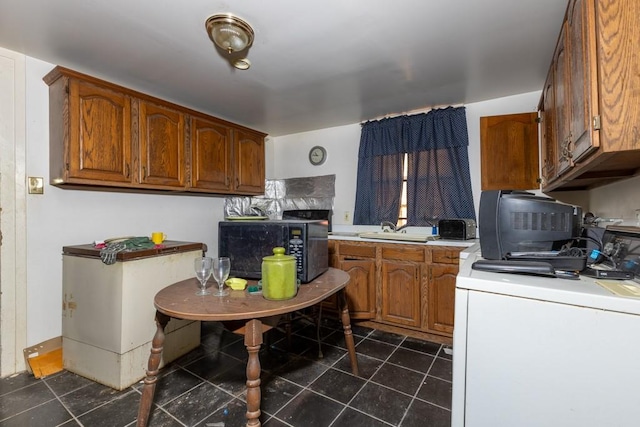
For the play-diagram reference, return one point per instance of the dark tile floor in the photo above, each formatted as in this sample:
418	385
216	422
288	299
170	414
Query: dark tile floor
403	382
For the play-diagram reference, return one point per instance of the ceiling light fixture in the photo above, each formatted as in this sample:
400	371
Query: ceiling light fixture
229	33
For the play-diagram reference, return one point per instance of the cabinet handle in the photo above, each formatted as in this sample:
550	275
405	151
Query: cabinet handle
126	170
144	172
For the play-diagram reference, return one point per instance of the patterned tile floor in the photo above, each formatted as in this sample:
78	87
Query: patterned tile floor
403	382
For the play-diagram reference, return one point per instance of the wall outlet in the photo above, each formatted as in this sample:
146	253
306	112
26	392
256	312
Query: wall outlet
347	216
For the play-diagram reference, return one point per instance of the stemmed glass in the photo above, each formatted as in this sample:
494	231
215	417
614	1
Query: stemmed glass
221	268
203	267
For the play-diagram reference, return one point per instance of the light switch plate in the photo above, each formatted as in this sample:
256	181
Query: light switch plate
36	185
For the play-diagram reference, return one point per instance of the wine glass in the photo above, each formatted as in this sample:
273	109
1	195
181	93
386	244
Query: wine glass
221	268
203	267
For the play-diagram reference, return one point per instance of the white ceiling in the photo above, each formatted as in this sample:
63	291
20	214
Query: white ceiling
315	63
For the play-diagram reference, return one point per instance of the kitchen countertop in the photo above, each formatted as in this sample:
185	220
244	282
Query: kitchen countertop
351	233
437	242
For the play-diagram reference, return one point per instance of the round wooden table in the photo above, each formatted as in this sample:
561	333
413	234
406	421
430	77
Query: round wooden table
181	302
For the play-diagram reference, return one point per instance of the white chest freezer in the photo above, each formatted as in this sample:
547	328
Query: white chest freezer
108	317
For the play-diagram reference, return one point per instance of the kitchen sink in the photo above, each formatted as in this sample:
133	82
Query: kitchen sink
407	237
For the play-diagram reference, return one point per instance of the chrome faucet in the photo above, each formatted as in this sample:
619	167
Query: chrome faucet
389	224
393	227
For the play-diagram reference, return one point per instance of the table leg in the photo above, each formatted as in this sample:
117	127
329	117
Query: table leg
150	380
253	341
348	334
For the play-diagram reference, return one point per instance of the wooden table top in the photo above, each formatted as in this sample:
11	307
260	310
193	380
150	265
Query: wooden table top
180	300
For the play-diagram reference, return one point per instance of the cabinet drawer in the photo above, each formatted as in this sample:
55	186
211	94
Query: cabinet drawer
366	251
403	253
448	256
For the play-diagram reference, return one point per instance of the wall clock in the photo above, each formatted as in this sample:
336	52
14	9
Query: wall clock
317	155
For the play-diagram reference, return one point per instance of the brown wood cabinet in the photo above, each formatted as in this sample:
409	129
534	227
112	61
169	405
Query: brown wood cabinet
593	111
161	145
401	284
249	162
360	262
402	288
104	135
91	132
441	290
509	152
211	150
548	129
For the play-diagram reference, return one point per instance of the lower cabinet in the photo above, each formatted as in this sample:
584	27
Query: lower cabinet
411	287
441	290
441	298
401	284
360	262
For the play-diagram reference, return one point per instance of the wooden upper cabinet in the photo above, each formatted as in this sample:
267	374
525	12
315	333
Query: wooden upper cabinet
548	138
161	146
211	148
509	152
580	36
249	164
91	142
597	91
562	97
102	135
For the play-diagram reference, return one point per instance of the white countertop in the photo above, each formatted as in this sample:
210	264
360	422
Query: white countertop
583	292
342	232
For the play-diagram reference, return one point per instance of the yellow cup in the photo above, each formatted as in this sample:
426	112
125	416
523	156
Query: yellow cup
158	237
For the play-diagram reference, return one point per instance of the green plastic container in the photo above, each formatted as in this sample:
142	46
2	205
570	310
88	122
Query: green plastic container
279	280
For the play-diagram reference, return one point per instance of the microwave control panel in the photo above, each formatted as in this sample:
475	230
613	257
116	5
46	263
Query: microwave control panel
296	246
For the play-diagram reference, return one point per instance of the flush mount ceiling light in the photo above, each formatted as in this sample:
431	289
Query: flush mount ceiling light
231	34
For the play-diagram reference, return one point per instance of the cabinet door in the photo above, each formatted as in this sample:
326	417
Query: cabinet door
562	100
99	134
401	282
361	295
580	40
619	74
441	298
162	146
249	162
210	155
509	151
548	114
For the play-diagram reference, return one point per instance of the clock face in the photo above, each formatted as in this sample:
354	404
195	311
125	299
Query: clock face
317	155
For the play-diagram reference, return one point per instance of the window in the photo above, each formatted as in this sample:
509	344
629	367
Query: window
414	169
402	217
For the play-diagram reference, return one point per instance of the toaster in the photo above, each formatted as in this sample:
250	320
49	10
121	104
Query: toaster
457	229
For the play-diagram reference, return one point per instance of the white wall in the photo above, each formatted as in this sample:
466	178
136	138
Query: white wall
291	151
69	217
291	160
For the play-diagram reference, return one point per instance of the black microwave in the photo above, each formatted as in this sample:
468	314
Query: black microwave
247	242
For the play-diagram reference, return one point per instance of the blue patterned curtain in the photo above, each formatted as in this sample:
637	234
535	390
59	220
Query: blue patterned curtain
438	182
